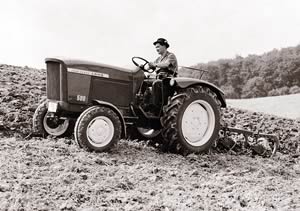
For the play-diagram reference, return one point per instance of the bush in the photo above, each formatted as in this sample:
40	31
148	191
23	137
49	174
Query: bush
254	88
294	90
273	92
283	90
230	92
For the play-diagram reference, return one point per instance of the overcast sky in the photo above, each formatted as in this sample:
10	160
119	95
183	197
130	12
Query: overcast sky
112	31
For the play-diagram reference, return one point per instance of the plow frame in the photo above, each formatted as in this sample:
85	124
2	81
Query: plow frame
255	135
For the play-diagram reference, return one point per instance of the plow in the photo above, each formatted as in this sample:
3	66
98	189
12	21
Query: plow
259	142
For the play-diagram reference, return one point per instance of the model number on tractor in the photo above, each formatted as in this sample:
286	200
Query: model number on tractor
81	98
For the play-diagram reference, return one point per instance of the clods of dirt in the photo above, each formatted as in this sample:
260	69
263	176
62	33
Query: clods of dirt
55	174
21	90
49	174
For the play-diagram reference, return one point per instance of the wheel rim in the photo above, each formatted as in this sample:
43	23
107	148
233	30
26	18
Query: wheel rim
148	133
100	131
55	126
198	123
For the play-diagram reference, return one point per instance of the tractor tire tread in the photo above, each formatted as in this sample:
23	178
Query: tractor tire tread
171	110
37	126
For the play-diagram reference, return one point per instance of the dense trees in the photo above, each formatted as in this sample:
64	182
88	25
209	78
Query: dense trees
274	73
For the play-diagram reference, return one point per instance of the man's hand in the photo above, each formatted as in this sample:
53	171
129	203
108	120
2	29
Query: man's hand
150	75
152	65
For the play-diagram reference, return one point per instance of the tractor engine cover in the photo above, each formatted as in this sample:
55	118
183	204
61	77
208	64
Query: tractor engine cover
80	82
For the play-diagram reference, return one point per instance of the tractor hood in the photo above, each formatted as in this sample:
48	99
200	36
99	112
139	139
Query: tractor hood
80	82
82	63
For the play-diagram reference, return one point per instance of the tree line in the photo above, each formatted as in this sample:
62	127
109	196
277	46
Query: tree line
270	74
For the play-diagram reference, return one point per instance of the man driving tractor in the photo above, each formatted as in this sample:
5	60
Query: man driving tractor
165	65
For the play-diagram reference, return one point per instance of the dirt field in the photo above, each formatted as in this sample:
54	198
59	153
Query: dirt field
54	174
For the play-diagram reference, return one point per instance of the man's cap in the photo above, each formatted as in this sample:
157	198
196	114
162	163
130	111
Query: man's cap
162	41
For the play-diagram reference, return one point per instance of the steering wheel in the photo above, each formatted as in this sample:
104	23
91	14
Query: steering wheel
142	66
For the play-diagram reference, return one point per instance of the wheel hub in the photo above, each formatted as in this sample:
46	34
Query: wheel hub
55	126
100	131
198	123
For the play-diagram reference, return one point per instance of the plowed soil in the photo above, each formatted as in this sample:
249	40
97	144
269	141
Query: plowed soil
55	174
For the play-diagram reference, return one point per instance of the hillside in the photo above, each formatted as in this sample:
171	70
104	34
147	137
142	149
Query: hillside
270	74
55	174
287	106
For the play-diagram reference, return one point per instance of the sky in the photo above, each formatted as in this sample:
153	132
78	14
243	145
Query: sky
113	31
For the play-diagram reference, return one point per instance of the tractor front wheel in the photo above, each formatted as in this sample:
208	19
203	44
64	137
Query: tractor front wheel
98	129
46	124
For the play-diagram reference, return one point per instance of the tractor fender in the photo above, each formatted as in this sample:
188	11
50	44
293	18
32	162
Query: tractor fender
114	108
184	82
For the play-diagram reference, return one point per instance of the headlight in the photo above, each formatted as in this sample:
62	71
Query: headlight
52	106
172	82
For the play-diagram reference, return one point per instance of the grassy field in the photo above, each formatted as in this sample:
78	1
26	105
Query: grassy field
284	106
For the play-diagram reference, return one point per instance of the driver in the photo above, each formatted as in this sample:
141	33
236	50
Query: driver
165	65
166	62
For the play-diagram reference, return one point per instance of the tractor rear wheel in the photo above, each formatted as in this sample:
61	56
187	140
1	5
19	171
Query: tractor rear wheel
98	129
45	124
191	121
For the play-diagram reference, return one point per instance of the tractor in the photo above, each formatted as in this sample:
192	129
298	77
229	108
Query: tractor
102	104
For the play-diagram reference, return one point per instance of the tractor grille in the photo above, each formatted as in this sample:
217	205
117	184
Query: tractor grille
53	80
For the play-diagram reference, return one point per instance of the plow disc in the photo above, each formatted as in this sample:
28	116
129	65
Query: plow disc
259	142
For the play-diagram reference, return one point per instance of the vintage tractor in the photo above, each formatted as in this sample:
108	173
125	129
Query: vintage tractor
109	103
103	104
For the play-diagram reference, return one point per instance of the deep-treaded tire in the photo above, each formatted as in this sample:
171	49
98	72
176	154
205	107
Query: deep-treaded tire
191	121
42	127
98	129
